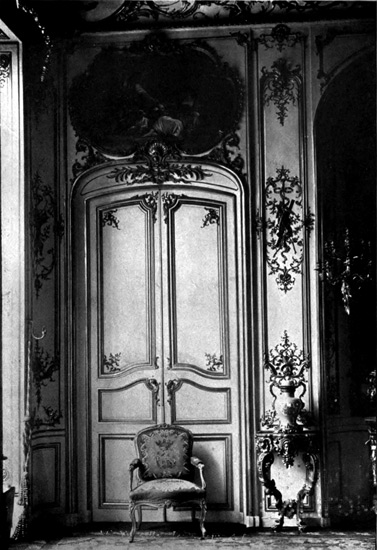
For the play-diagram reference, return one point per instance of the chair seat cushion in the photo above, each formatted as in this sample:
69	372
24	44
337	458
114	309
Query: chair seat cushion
167	489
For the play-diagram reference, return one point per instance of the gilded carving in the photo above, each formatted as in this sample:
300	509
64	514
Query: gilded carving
89	157
45	224
288	447
108	218
214	363
226	11
284	227
169	201
212	217
158	167
228	154
280	37
150	200
281	86
110	364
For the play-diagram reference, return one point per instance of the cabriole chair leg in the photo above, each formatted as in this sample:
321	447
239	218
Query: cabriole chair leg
203	511
133	522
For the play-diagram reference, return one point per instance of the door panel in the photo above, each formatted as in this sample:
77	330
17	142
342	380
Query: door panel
126	285
186	404
203	377
196	272
113	479
133	403
122	341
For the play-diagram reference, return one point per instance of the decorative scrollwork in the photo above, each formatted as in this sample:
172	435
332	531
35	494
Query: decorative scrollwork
43	367
283	196
110	364
44	224
157	167
211	217
281	86
228	11
52	417
169	200
89	157
5	59
228	154
281	36
214	363
150	200
288	448
108	218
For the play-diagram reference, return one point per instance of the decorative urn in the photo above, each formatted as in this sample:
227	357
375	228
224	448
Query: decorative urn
287	368
287	405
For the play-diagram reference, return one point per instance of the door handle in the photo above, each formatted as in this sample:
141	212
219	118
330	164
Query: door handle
172	386
154	387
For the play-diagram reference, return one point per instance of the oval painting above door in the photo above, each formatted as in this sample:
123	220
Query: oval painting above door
179	93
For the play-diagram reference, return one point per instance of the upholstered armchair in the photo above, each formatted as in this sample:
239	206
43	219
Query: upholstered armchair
166	470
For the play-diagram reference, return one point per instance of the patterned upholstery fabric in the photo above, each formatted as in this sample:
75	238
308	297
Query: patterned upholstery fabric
165	452
165	489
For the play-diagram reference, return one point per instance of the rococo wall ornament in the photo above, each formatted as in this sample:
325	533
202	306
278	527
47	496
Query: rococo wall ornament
280	37
281	86
155	163
285	227
45	226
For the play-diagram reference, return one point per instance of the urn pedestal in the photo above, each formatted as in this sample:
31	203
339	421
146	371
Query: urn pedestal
293	450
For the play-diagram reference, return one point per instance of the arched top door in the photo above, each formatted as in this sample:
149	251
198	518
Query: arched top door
158	310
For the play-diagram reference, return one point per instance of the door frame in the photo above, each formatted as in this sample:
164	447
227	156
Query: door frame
188	172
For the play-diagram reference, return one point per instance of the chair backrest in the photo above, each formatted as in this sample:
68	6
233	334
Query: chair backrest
165	451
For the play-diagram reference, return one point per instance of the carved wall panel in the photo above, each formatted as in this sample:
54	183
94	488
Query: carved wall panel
46	472
216	451
116	453
187	402
132	403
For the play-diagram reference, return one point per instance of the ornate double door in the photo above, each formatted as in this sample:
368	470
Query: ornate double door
159	332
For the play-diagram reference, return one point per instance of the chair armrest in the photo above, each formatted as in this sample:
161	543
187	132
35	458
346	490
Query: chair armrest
195	461
136	463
